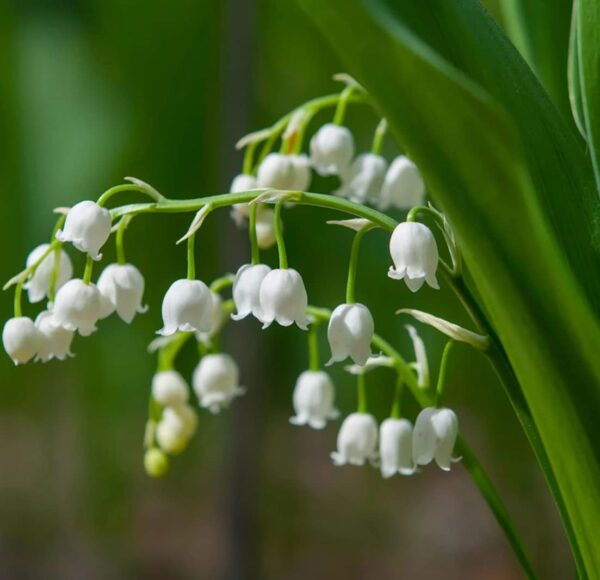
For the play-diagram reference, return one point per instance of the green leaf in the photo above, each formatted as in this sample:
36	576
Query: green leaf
540	30
588	53
478	157
575	97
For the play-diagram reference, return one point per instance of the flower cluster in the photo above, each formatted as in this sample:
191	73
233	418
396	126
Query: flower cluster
192	309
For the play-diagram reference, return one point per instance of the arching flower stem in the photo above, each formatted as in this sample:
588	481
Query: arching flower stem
379	136
119	239
254	249
442	375
89	269
283	262
353	266
191	259
361	385
151	193
396	412
314	363
342	104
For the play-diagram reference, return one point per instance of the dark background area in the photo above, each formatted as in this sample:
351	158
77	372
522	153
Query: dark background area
91	91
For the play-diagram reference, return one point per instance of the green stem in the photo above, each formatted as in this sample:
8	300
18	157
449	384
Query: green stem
396	411
441	383
17	303
89	268
425	399
119	239
342	105
254	249
361	384
378	137
283	262
249	157
103	199
54	273
313	347
353	265
221	283
191	259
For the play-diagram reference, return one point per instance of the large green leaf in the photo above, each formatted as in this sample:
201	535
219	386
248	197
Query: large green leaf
483	173
588	56
540	30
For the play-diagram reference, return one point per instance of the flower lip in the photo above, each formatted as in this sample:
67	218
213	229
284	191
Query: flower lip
313	400
87	227
415	255
357	440
186	307
283	299
350	332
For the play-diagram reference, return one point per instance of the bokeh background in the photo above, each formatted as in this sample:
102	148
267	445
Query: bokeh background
93	90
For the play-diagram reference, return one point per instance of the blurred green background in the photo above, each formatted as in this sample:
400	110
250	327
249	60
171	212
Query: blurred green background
93	90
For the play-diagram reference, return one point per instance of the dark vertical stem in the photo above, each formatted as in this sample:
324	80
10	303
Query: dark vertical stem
242	469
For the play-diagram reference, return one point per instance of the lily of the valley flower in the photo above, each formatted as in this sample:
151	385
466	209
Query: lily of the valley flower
313	398
39	284
169	388
241	182
357	440
283	299
287	172
88	227
331	149
21	339
186	307
434	437
350	332
403	186
415	255
246	290
216	381
363	180
78	306
265	227
122	286
395	447
217	318
55	340
176	427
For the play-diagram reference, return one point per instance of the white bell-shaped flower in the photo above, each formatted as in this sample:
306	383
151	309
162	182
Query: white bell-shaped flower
77	307
301	172
186	307
265	227
350	332
39	284
313	398
216	381
357	440
246	290
395	447
241	182
363	180
403	186
434	437
55	340
278	171
169	388
415	255
217	316
87	227
283	299
169	440
122	286
181	419
331	149
21	339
